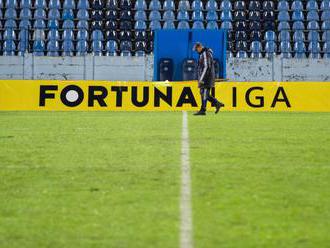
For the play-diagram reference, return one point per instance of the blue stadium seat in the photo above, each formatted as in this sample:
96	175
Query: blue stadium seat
140	5
285	49
39	34
183	15
97	47
227	25
283	16
9	34
326	25
10	14
183	25
297	16
22	47
197	5
297	5
54	14
68	35
256	49
53	35
284	36
140	15
312	5
155	15
239	5
39	24
155	25
298	36
326	36
298	25
314	49
83	14
111	15
240	36
212	15
125	15
212	25
168	15
283	5
82	47
40	4
25	24
53	48
54	4
270	49
184	5
111	48
97	35
25	14
168	25
270	36
198	25
83	4
325	15
68	24
300	50
226	16
241	26
313	35
67	14
38	48
140	46
325	5
69	4
326	50
242	54
40	14
140	25
25	4
82	34
211	5
226	5
125	35
169	5
155	5
197	15
313	15
313	25
67	48
9	48
53	24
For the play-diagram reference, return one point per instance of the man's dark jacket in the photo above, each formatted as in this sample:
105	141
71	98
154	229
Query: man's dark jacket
206	73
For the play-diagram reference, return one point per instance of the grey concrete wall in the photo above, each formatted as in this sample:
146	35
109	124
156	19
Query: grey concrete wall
141	68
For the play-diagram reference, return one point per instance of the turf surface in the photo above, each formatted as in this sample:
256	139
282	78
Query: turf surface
113	179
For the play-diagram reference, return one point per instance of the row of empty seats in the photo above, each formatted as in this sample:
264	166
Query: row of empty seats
125	27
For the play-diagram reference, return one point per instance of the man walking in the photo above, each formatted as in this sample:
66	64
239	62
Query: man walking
206	77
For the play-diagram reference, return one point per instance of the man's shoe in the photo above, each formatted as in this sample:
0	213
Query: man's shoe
218	106
200	113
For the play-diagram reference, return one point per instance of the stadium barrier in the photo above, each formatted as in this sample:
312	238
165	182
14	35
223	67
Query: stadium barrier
161	96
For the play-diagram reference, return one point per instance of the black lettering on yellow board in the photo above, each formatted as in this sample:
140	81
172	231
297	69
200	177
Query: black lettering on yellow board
234	97
276	99
44	95
92	96
165	97
145	98
119	97
260	98
75	88
187	97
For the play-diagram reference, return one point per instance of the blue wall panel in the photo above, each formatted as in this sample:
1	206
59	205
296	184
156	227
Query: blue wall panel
178	44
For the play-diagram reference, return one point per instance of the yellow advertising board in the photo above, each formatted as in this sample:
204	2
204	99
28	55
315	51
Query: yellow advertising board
161	96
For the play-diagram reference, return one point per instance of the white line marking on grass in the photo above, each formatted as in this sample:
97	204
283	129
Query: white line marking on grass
185	198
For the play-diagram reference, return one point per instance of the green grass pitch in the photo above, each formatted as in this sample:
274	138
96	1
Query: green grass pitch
105	179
